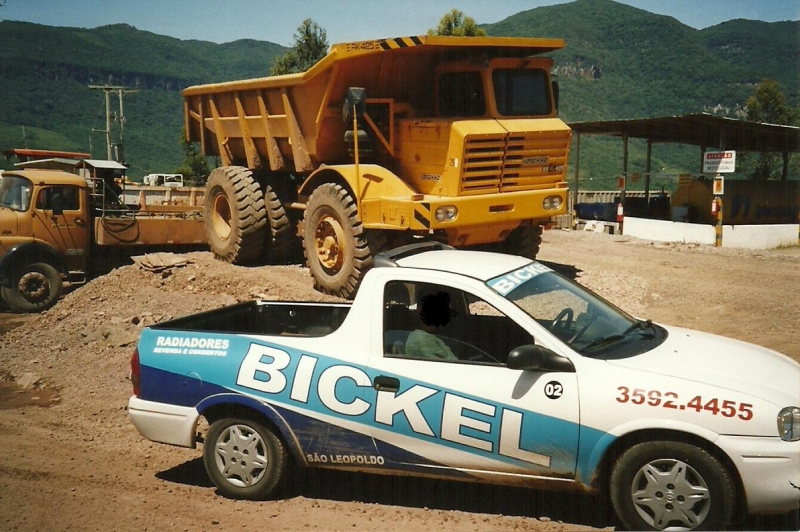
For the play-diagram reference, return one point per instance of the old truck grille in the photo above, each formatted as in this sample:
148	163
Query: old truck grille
513	162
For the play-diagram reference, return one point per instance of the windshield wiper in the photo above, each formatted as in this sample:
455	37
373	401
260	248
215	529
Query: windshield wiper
639	325
603	341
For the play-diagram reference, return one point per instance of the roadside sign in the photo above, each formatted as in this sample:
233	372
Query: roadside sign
719	185
718	162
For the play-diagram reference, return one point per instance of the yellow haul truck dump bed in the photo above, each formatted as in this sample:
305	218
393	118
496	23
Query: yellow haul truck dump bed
381	142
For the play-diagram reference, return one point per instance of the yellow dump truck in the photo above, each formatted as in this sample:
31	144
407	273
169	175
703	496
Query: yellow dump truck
53	224
449	138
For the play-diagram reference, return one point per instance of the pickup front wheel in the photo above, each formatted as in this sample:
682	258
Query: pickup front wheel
34	287
244	459
672	485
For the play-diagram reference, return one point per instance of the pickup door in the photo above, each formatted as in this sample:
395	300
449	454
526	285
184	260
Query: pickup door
469	412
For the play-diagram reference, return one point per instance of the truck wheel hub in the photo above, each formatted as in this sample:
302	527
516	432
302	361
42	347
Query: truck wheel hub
33	286
221	217
329	236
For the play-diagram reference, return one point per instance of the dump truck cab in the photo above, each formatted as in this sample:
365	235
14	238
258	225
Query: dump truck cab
451	138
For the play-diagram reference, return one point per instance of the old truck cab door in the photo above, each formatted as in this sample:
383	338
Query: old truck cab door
448	404
60	218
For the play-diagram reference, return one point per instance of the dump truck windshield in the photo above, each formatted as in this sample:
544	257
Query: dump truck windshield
521	92
461	94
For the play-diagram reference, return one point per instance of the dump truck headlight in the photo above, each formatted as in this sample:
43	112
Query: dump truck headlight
552	203
446	213
789	423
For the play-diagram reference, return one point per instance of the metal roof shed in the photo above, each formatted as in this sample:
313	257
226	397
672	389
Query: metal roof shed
702	129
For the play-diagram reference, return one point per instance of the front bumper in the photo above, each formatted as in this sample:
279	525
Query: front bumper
164	423
769	469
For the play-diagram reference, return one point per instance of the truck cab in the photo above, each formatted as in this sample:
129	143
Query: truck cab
44	236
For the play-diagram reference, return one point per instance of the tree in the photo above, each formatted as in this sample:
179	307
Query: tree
457	24
195	167
310	45
768	105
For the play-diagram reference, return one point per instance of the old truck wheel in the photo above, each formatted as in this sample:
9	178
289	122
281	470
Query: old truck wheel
235	215
525	240
337	248
666	484
282	229
34	287
244	459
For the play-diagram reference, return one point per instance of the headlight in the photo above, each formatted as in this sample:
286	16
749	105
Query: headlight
446	213
789	423
552	203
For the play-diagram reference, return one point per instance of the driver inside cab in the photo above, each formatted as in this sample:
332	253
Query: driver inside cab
434	313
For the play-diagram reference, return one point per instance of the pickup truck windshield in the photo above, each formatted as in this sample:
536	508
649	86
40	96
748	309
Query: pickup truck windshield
15	192
583	320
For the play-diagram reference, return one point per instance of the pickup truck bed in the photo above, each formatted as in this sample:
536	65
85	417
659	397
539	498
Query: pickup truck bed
265	318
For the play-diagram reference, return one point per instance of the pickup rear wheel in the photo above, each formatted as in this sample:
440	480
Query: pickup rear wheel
34	287
235	215
668	484
244	459
338	250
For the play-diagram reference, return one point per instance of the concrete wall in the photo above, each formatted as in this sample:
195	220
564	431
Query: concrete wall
733	236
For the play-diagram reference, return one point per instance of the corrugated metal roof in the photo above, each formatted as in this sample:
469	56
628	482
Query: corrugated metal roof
700	129
99	163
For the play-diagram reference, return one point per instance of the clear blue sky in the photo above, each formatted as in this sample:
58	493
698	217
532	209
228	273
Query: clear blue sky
277	20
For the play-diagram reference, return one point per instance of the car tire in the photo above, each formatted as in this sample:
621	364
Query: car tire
670	484
244	459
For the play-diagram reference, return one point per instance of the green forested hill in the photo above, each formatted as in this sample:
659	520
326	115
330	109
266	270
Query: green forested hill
45	73
619	62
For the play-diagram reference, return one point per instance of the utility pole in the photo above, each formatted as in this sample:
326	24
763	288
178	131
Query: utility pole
121	91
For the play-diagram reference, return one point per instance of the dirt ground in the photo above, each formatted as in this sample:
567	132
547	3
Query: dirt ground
71	460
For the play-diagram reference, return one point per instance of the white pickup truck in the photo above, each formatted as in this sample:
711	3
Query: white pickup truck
479	366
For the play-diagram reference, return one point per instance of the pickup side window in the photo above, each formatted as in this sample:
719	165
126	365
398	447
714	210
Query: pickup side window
426	321
63	197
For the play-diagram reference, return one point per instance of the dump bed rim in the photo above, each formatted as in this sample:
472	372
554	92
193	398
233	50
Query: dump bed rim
490	46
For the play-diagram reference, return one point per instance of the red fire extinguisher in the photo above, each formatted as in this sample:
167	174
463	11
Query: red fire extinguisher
714	207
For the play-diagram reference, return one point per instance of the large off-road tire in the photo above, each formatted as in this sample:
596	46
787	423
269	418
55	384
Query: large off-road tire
283	229
244	459
235	215
338	250
668	484
34	287
525	240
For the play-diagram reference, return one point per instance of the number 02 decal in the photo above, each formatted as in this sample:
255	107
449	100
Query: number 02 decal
553	389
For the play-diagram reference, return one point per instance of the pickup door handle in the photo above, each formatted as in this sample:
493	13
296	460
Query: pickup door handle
383	383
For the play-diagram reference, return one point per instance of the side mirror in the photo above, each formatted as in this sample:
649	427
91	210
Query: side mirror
356	98
538	358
